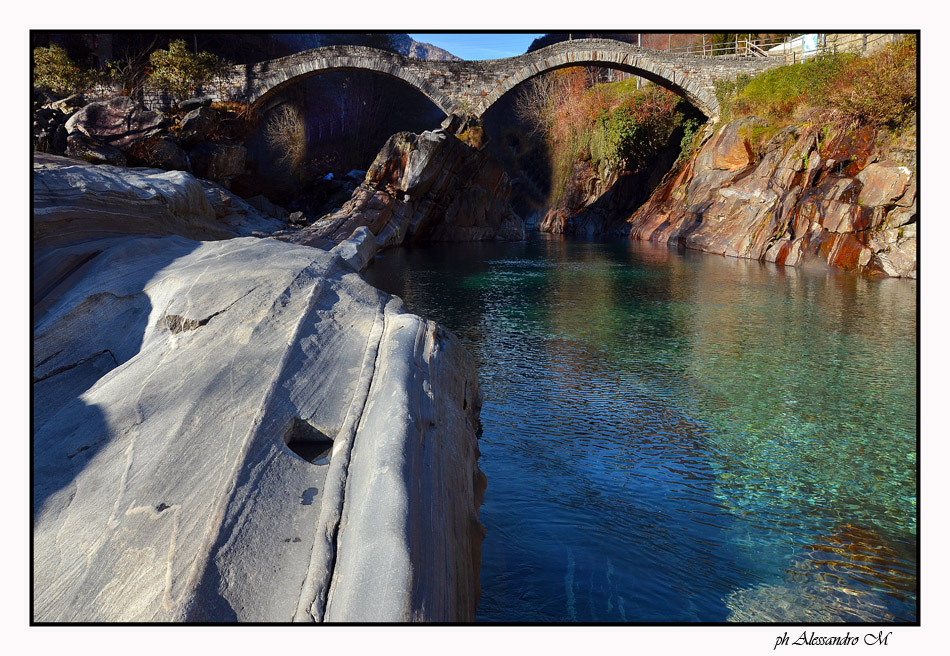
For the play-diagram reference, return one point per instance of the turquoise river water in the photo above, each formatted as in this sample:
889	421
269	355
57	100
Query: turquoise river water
680	437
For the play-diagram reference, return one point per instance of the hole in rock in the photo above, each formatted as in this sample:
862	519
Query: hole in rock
308	442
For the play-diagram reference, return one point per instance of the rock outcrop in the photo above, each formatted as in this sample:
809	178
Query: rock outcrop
597	197
813	192
75	201
428	187
118	122
120	132
238	430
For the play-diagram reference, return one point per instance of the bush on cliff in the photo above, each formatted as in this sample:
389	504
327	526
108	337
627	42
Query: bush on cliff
182	72
878	90
614	125
54	70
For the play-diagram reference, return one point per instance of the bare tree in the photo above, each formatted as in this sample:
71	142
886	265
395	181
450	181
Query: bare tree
285	134
534	103
128	71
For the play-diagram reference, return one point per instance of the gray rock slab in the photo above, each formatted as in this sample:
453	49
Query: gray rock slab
73	202
182	389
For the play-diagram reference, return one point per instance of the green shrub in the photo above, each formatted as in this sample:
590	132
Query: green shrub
781	91
879	90
691	128
54	70
181	72
636	130
726	93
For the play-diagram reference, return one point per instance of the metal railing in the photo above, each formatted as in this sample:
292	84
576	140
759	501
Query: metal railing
737	48
793	49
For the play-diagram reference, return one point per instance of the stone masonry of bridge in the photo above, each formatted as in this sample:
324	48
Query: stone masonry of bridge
471	87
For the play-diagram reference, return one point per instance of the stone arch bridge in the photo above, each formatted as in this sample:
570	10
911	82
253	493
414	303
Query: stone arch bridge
471	87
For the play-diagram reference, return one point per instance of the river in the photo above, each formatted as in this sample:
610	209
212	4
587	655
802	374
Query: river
681	437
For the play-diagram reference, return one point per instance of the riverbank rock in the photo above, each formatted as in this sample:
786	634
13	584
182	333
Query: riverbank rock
598	197
218	162
814	192
73	201
428	187
200	409
81	146
236	430
118	122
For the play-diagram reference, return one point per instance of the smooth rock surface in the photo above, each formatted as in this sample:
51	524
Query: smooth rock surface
73	201
169	379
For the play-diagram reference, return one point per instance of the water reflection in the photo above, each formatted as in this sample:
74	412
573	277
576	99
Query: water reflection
672	436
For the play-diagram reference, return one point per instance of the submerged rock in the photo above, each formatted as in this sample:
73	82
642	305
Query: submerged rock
811	193
428	187
845	577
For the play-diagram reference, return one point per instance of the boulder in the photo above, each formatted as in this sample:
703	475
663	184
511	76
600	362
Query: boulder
118	122
69	104
728	149
59	141
195	103
268	207
80	146
883	183
163	152
200	409
357	251
424	187
197	125
218	162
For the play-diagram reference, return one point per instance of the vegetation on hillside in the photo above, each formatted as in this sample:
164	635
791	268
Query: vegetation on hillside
613	125
53	69
879	90
176	70
181	72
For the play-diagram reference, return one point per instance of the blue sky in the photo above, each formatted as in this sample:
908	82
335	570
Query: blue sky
479	46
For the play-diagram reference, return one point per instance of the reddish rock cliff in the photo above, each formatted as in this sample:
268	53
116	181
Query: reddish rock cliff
813	192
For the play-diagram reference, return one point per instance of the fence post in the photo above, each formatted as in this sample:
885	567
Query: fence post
864	43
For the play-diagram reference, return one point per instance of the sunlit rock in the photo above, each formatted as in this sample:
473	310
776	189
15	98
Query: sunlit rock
811	193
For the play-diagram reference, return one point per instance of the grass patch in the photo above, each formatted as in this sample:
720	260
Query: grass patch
879	90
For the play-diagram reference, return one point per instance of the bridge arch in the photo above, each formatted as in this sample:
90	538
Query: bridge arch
263	80
690	86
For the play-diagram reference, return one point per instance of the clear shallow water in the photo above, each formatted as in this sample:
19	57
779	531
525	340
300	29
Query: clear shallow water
680	437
